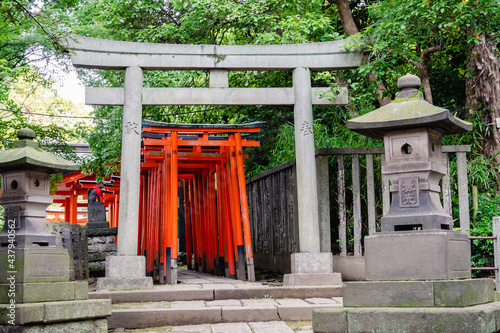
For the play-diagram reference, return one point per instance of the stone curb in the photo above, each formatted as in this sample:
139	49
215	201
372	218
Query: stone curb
49	312
145	318
217	294
472	319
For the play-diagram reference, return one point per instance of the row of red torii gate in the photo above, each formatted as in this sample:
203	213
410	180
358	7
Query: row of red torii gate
202	163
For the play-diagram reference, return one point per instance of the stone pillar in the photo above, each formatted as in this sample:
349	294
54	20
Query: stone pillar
310	266
127	271
306	165
128	228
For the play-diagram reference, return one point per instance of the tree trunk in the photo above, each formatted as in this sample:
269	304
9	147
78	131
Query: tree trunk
483	91
351	29
346	17
424	77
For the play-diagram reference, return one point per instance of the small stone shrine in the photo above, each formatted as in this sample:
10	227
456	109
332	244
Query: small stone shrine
35	291
96	212
417	267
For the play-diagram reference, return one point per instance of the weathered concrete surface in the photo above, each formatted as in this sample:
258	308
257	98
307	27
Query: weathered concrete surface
475	319
463	292
94	326
396	294
37	264
351	268
311	262
73	238
312	279
63	311
142	318
125	272
45	292
311	269
440	293
420	256
99	53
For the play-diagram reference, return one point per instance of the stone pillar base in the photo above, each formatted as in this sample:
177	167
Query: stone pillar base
418	255
125	272
44	292
434	293
311	269
66	316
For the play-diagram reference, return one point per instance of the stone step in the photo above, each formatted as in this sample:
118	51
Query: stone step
214	292
199	312
240	327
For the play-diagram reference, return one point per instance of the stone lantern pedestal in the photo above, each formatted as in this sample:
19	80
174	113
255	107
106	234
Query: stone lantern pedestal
416	266
35	291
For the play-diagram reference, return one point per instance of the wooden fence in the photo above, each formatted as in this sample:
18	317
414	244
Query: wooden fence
351	201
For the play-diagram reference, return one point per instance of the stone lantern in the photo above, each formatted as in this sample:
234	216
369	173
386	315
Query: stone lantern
34	275
417	268
417	240
25	196
25	171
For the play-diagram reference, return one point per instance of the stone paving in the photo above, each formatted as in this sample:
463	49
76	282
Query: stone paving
265	314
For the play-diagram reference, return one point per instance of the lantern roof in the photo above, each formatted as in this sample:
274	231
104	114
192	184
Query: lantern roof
407	111
27	154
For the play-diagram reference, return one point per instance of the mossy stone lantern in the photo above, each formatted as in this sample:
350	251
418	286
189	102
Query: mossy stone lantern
33	254
412	130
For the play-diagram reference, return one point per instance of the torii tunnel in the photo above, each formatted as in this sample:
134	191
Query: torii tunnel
206	163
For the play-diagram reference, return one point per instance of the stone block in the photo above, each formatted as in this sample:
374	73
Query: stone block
81	290
388	293
47	312
36	265
124	283
474	319
96	240
72	238
99	248
98	225
24	313
280	292
125	266
97	266
76	310
292	312
144	318
102	232
463	292
457	320
310	279
154	295
249	313
44	292
94	326
311	262
352	268
420	255
330	321
95	257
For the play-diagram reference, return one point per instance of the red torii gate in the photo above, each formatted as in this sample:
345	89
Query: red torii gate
209	159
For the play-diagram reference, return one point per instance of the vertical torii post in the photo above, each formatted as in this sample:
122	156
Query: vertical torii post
309	265
218	59
127	270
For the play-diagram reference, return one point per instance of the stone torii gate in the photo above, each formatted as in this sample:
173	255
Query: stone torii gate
134	58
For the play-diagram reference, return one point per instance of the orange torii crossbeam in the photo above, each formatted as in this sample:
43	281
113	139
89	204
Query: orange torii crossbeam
208	161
